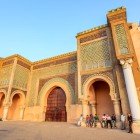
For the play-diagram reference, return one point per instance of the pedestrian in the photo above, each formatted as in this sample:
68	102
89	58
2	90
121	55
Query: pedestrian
123	120
113	118
109	121
80	120
91	120
104	121
96	119
87	121
130	121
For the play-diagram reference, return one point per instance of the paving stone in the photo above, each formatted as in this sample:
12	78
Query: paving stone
59	131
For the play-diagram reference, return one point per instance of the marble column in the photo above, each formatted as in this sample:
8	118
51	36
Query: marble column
117	109
93	109
5	113
85	108
21	112
131	88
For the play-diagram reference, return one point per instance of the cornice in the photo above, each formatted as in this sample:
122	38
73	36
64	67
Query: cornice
70	54
54	66
18	56
92	29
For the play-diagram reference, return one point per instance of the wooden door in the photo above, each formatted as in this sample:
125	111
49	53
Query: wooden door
56	109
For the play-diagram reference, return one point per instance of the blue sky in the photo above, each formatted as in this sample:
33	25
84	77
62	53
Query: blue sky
38	29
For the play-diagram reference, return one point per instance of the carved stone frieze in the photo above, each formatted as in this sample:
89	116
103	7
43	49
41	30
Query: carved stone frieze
93	36
118	16
8	62
107	73
69	77
55	62
23	64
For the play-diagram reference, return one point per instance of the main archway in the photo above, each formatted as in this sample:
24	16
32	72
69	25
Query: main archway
48	87
56	109
99	96
99	91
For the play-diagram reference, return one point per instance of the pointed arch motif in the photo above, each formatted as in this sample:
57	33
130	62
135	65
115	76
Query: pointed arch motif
95	78
3	91
51	84
21	95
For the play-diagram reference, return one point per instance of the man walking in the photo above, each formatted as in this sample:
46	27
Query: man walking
123	118
130	121
109	121
113	118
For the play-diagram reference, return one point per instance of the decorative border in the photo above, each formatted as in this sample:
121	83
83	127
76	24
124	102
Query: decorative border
65	85
96	77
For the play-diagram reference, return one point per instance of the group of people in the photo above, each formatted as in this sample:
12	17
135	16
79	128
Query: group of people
123	122
106	121
91	120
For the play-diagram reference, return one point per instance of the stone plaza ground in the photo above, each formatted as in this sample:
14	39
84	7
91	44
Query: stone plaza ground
59	131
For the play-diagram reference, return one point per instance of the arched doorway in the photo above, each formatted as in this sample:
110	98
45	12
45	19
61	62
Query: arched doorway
99	96
56	109
2	97
14	110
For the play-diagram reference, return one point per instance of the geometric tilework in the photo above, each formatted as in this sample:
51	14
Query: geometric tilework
121	38
96	54
21	77
46	73
5	74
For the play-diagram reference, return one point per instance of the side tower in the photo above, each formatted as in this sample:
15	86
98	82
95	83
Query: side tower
108	69
125	54
97	81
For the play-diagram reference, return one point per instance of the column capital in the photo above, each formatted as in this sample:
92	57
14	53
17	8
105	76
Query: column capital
5	104
22	107
116	101
86	102
92	103
126	62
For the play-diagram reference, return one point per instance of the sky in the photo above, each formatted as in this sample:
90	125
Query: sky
39	29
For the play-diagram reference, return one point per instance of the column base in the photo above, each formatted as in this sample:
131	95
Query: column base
136	127
4	120
118	124
83	123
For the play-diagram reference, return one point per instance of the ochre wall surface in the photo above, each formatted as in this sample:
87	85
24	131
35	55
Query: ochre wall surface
26	85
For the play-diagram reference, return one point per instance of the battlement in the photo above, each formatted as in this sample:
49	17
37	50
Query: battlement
92	29
117	9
